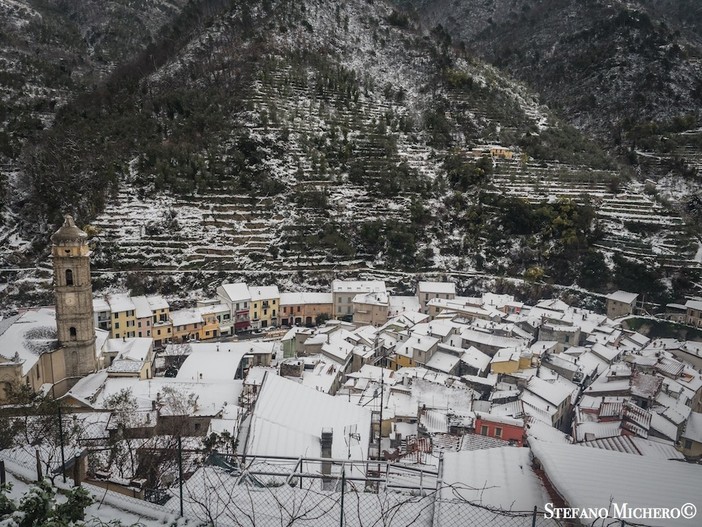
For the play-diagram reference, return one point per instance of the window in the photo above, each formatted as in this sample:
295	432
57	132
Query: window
483	430
567	338
115	316
139	324
237	306
298	309
255	306
116	325
69	277
159	332
273	302
688	442
498	431
140	334
72	332
207	333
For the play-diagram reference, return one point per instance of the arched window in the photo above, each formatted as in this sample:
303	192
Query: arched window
72	333
69	277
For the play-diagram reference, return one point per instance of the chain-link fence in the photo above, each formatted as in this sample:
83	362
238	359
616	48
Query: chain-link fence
274	491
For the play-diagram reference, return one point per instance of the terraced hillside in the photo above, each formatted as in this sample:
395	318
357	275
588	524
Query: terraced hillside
328	136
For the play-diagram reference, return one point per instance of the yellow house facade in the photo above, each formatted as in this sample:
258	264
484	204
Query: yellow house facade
264	309
187	324
124	320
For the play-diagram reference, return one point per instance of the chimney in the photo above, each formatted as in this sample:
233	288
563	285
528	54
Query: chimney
326	448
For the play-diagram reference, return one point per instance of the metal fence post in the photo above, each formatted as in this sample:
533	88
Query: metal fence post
343	487
180	473
533	518
39	476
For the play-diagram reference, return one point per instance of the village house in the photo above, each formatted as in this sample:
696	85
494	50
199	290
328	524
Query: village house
427	291
343	292
691	438
693	314
552	398
144	316
102	314
621	304
131	357
123	315
506	428
370	309
264	306
187	324
305	309
237	297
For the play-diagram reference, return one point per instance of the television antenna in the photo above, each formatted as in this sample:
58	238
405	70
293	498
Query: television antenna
351	437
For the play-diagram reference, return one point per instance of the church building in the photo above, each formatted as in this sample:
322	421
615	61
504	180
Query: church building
50	349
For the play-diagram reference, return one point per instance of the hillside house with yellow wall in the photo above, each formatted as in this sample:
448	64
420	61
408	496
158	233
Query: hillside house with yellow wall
123	311
187	325
265	306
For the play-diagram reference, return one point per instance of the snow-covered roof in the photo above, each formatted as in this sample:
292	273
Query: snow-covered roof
403	304
487	339
622	296
133	349
157	302
637	446
419	342
142	307
590	477
120	302
444	362
28	335
284	424
322	377
664	427
553	392
497	477
539	430
295	299
375	299
506	355
100	305
213	309
211	397
266	292
693	427
209	365
236	292
444	288
357	286
183	317
474	358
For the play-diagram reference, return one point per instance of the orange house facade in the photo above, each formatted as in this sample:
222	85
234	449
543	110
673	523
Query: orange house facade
504	428
302	309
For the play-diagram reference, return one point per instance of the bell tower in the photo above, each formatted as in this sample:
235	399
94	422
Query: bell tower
74	298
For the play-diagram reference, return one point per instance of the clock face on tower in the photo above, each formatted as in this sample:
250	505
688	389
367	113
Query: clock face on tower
70	299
